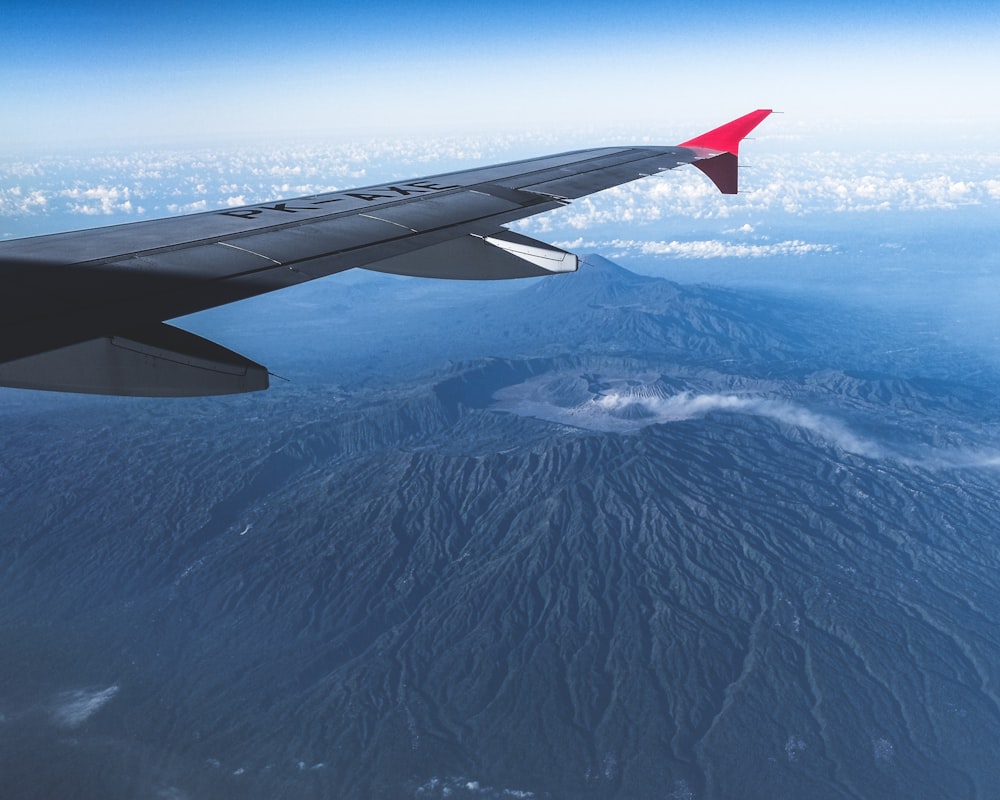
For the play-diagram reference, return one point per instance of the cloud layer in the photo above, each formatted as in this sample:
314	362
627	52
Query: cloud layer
175	181
712	248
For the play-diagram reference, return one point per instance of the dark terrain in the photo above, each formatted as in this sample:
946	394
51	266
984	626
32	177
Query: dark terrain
637	540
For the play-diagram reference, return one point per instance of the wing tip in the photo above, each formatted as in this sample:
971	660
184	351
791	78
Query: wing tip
726	138
722	166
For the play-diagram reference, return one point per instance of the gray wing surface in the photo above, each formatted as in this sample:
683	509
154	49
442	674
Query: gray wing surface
84	311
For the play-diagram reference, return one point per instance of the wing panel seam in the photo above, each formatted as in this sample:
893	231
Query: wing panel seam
246	250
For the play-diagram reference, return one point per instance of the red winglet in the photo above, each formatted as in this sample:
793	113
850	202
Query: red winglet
723	168
727	137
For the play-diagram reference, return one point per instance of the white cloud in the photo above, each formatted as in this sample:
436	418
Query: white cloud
188	208
72	709
99	200
15	201
616	248
687	405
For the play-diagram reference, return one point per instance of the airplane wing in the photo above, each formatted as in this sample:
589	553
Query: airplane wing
84	311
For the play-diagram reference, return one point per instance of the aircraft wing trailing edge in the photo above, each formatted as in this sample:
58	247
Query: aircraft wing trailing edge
85	311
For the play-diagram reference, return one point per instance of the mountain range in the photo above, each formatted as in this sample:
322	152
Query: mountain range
593	536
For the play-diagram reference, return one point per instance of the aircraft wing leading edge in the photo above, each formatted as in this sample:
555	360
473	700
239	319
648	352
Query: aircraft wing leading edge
84	311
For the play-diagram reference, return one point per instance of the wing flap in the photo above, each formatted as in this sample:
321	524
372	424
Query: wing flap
301	243
160	361
500	256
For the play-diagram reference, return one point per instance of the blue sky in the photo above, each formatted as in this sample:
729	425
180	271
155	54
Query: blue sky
137	73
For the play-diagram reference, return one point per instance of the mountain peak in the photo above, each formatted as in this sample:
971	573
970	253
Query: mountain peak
597	265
